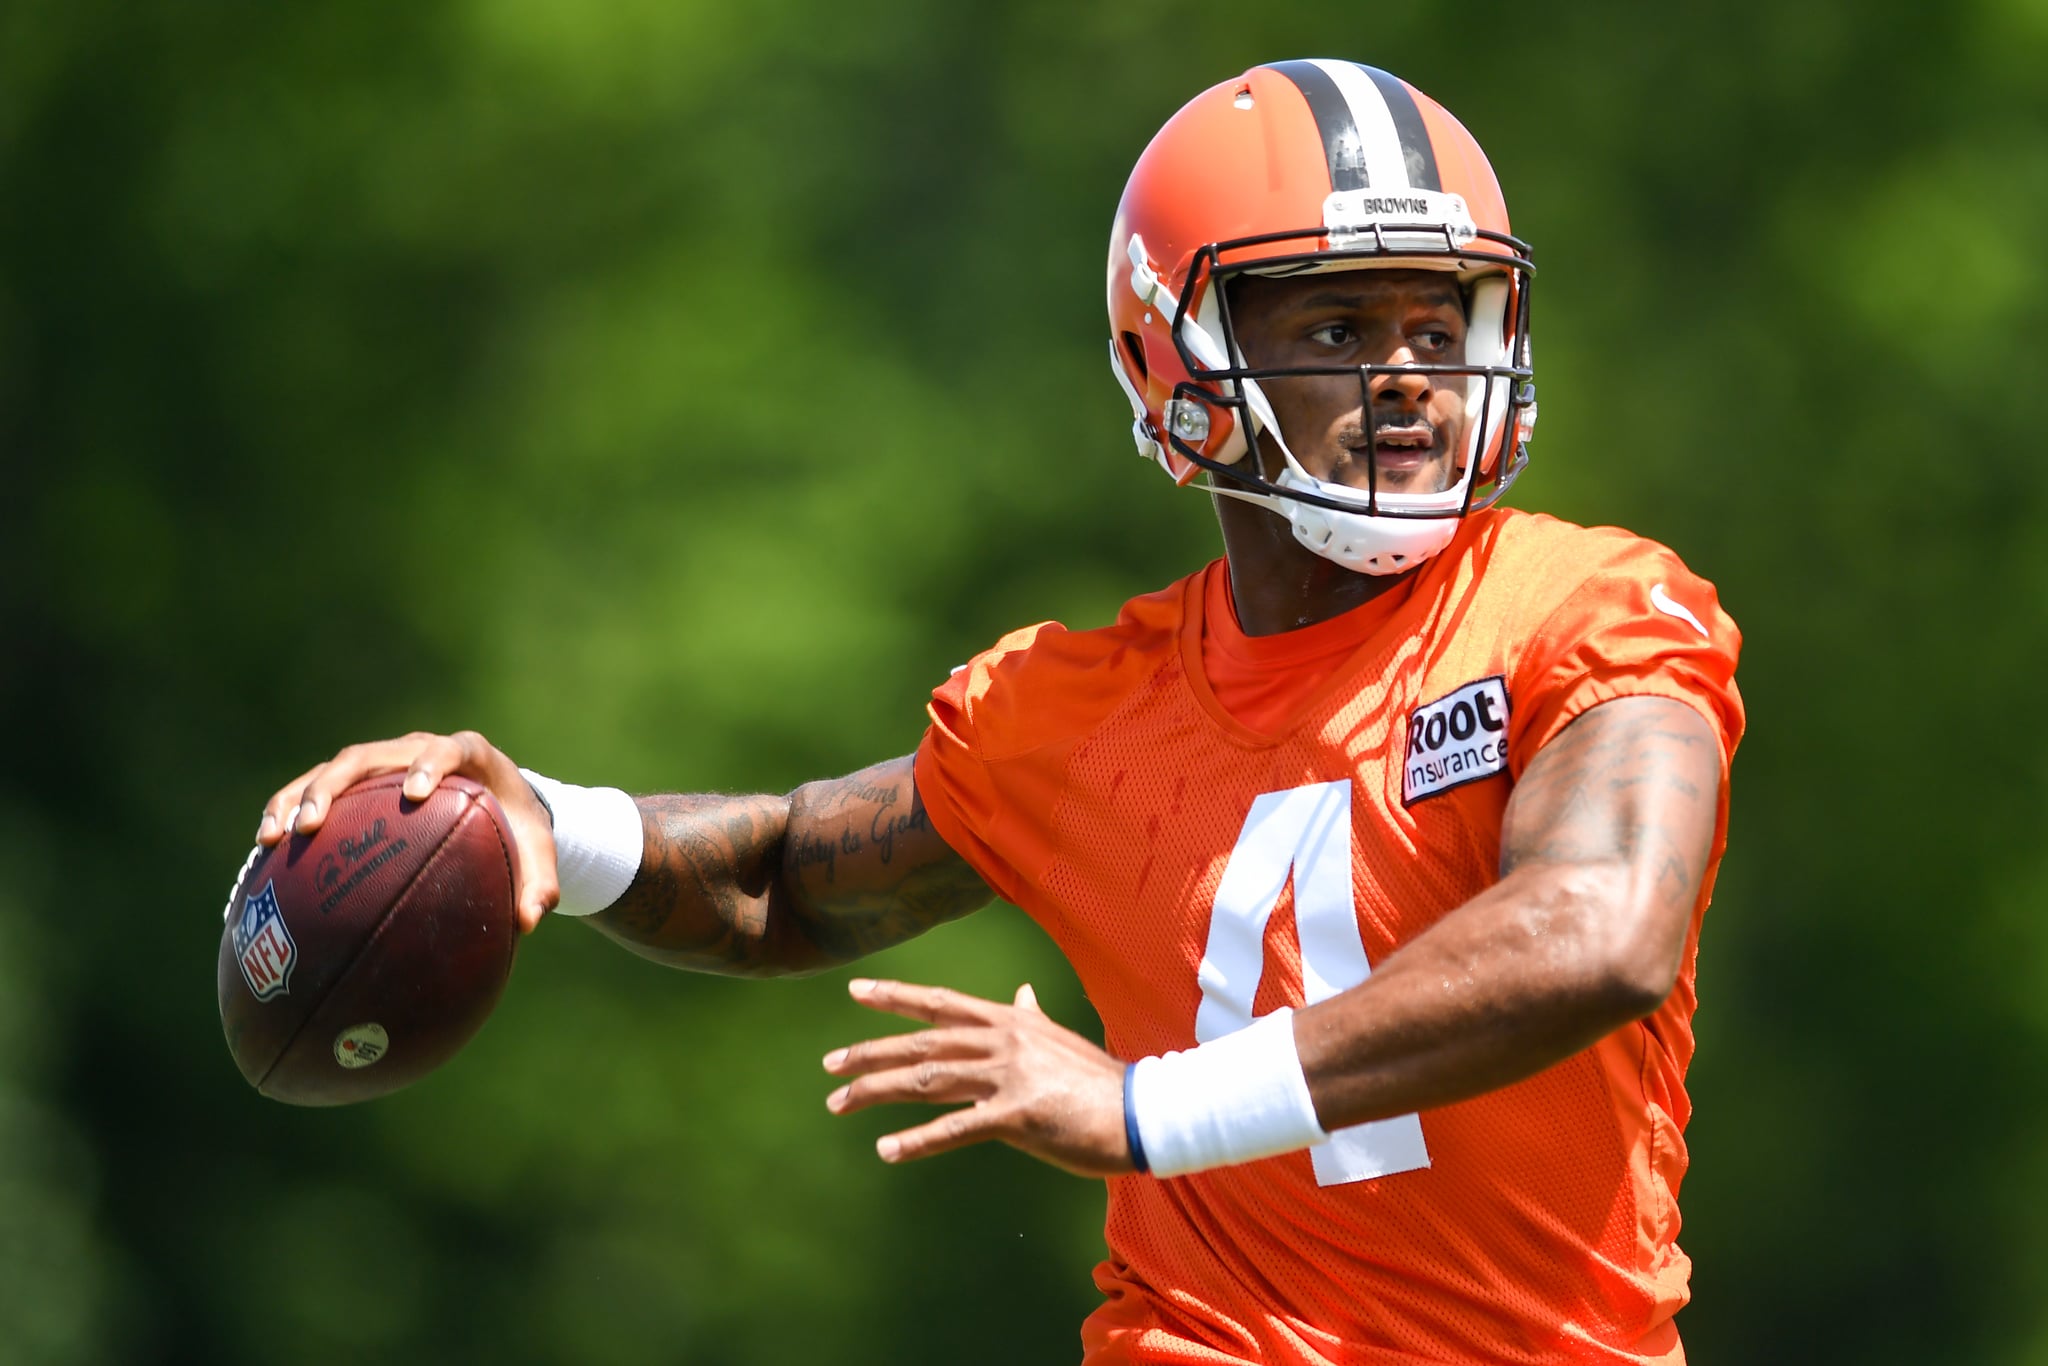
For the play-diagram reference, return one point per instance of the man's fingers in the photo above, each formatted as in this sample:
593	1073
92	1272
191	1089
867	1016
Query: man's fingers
426	759
301	806
533	861
901	1050
332	779
934	1081
933	1005
533	830
350	767
956	1129
533	835
1027	1082
277	812
437	758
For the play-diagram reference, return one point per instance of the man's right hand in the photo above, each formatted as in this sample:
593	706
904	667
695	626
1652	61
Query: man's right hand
301	805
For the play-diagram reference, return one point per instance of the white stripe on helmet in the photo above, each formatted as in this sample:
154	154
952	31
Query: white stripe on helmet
1386	165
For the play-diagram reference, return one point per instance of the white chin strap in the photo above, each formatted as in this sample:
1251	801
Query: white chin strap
1363	542
1360	541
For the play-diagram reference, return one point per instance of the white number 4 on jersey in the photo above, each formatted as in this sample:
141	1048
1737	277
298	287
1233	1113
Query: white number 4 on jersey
1304	833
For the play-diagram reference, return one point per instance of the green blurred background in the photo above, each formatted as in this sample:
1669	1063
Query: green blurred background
674	390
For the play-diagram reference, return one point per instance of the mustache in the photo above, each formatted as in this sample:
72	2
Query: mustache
1356	434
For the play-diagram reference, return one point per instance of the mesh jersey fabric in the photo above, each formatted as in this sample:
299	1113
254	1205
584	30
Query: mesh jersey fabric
1260	680
1094	780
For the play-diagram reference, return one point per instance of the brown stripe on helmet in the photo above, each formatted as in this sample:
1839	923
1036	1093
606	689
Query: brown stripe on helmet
1342	147
1415	145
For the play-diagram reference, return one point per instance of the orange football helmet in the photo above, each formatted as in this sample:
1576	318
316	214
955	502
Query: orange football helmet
1298	167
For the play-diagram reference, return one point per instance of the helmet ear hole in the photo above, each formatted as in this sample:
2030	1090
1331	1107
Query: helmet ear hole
1134	347
1486	344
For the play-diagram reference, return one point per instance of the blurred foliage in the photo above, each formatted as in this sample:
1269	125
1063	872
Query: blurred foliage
675	390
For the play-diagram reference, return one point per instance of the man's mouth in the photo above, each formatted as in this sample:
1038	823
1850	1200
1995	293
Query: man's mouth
1401	449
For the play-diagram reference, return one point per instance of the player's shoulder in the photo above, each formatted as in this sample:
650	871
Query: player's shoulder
1535	563
1539	586
1146	629
1562	555
1045	682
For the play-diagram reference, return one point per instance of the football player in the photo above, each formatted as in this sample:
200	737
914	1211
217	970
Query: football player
1381	843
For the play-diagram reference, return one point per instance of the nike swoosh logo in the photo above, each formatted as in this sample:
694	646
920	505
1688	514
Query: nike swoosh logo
1664	603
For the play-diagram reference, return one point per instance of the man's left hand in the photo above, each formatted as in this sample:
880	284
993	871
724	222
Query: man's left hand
1029	1082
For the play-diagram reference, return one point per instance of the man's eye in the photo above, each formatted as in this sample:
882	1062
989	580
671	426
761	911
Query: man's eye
1334	334
1436	340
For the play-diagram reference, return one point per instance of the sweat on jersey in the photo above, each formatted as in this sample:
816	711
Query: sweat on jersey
1213	826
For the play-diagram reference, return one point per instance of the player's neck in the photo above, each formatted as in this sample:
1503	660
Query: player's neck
1277	583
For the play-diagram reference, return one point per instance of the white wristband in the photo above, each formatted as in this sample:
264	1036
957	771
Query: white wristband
1233	1099
598	842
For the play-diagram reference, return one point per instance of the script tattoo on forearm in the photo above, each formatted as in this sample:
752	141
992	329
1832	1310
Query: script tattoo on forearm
1632	782
871	870
880	809
770	885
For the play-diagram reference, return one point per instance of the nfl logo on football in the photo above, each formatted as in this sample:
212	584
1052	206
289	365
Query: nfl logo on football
264	946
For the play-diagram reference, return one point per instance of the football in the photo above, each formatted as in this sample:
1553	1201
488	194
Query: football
358	959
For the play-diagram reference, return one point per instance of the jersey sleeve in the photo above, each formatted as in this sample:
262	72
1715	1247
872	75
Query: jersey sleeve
1641	625
955	777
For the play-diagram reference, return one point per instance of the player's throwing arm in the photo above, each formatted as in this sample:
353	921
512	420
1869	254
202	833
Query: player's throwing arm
754	885
1605	843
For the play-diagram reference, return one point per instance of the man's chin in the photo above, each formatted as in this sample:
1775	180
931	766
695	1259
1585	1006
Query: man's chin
1431	478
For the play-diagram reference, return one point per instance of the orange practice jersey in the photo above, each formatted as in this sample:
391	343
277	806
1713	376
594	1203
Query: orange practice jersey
1205	861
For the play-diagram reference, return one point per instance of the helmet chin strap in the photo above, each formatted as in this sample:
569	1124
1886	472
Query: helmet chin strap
1359	541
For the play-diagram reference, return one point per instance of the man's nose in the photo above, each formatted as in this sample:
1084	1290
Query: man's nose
1400	386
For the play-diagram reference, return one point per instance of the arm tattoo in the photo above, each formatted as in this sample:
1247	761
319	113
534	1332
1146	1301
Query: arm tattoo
867	868
1634	783
700	897
765	885
1603	851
